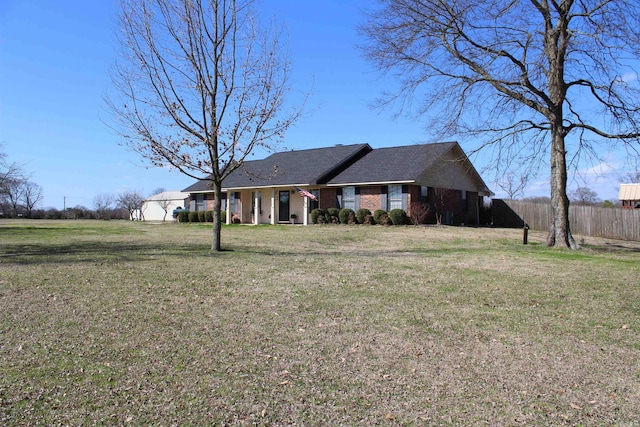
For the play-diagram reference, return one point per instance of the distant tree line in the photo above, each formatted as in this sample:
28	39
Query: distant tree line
21	198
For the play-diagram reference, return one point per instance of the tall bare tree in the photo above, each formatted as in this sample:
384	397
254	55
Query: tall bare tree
523	75
201	85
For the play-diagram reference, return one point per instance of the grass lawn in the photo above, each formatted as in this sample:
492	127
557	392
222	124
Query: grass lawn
106	323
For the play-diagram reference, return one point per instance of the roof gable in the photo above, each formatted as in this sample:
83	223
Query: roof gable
300	167
393	164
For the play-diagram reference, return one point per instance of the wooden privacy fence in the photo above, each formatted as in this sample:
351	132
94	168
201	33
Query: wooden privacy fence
595	221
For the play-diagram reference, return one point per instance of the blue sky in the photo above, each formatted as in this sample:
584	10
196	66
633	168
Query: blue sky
54	61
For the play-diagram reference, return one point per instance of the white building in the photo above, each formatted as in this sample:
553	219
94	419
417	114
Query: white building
160	206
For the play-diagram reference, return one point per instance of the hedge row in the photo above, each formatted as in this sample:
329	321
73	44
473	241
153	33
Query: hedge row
200	216
363	216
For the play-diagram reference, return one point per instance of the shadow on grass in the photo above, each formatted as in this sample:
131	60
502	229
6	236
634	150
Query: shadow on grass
79	252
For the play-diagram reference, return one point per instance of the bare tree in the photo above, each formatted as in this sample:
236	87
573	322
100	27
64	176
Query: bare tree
31	196
101	203
131	200
584	196
158	190
201	86
513	185
524	75
14	195
9	172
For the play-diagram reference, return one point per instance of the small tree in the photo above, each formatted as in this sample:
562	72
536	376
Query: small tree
101	204
163	202
10	173
14	193
513	185
131	200
200	85
31	196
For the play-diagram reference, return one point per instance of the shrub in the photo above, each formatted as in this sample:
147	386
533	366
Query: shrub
351	219
223	217
333	215
193	217
398	216
419	213
347	216
377	213
317	216
201	216
362	212
369	220
208	216
183	216
384	219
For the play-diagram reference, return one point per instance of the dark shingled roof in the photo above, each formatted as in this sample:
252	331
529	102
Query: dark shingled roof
301	167
393	164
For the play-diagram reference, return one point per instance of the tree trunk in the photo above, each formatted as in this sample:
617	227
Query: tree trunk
217	224
559	230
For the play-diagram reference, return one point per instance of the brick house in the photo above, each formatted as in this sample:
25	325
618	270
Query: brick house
350	176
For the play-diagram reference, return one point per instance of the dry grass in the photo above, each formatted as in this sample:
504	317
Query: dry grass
117	323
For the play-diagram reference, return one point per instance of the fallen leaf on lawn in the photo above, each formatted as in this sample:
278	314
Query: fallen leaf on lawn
389	417
575	406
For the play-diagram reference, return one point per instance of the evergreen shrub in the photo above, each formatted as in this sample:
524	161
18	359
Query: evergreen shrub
398	216
377	213
346	216
361	214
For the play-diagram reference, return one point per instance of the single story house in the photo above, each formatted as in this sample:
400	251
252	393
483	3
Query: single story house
629	195
159	207
356	176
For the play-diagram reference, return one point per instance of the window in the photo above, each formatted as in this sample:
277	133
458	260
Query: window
314	204
200	202
234	202
394	197
465	200
349	198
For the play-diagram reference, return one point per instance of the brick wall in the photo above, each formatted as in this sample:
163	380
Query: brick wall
370	197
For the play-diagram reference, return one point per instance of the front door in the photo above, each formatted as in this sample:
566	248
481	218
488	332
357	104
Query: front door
283	206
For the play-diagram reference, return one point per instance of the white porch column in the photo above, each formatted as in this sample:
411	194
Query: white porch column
273	206
228	208
305	210
256	208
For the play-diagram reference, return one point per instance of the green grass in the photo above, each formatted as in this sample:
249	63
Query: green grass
135	323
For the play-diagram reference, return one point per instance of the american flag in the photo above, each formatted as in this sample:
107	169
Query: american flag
305	193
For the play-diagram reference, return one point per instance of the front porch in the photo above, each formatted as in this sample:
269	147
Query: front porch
278	205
